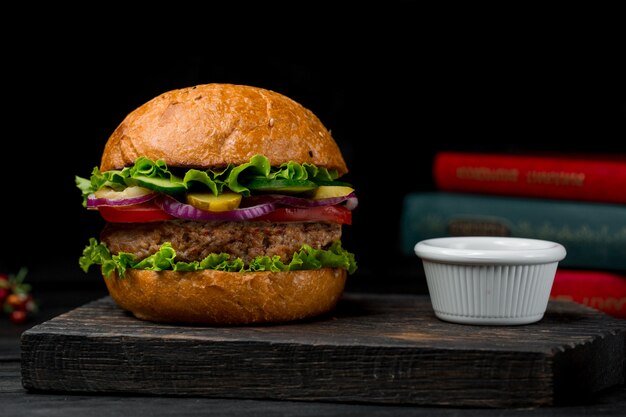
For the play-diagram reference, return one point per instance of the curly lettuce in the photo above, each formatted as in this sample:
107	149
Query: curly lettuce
165	259
233	177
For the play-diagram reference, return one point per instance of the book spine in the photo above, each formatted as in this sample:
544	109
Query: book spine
532	176
602	290
593	234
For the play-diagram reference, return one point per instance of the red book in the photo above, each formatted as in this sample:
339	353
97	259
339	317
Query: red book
587	177
604	291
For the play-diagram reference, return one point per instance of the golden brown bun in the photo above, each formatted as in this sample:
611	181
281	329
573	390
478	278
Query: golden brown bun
213	125
218	297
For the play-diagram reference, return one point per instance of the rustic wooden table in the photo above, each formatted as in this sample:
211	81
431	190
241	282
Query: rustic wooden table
16	401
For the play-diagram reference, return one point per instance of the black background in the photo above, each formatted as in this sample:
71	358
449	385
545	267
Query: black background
394	83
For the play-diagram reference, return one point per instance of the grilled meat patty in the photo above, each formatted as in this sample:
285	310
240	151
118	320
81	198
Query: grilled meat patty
193	240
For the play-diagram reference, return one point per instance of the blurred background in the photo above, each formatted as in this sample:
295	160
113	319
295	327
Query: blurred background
400	86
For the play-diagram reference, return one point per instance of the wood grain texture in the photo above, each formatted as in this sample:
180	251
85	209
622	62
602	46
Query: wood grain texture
15	401
372	349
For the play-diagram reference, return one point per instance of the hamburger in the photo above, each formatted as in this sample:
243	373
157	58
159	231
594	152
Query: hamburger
223	205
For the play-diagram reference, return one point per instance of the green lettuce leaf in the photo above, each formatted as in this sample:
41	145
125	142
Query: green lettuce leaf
233	177
117	180
149	168
295	171
203	177
98	254
164	259
259	166
84	185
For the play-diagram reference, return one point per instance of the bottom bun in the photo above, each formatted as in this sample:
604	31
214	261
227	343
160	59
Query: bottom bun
218	297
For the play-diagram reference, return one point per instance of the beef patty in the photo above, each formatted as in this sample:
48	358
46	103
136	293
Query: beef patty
193	240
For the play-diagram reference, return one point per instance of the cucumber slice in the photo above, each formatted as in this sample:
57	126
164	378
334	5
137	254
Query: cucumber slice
163	185
281	185
334	183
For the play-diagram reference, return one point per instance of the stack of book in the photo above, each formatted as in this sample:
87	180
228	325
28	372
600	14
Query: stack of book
578	201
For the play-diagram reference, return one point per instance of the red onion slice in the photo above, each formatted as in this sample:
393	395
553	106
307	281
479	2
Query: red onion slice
285	200
188	212
95	202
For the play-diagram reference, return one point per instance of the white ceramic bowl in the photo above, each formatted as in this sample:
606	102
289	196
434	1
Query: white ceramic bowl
489	280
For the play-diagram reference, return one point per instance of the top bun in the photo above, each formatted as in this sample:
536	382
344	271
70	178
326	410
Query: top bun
213	125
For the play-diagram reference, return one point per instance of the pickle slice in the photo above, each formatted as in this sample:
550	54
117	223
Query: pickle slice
211	202
330	191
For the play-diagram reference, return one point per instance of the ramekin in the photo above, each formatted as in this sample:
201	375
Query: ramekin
489	280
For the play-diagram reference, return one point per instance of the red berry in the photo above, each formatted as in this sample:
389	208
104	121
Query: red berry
4	293
15	300
25	298
18	316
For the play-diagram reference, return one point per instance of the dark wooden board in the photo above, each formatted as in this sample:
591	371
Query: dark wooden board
15	401
372	349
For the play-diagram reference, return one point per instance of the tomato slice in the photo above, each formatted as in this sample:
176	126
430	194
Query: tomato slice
137	213
329	214
150	212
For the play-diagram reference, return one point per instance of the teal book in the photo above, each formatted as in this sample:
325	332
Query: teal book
594	234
